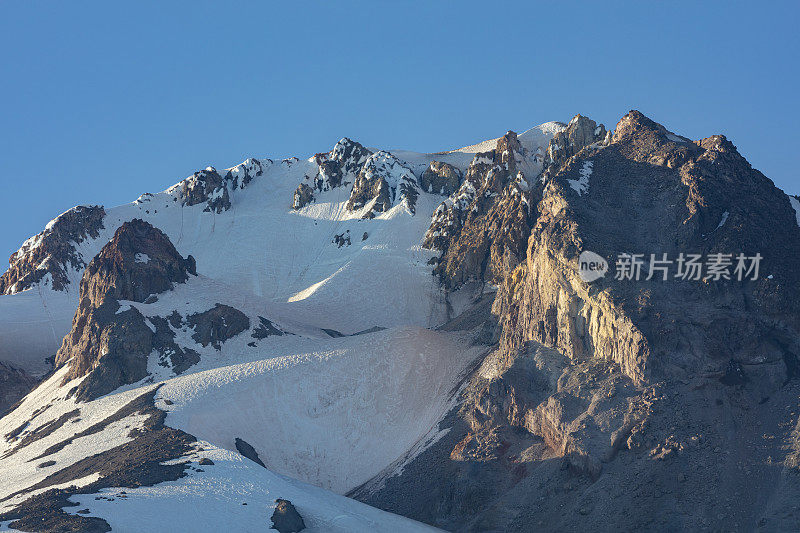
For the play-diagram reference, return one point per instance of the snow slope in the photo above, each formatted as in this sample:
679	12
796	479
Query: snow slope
269	250
532	139
317	409
233	494
214	500
325	411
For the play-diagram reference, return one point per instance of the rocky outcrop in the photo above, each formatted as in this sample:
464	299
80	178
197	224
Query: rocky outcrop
149	456
241	175
112	344
379	180
266	328
579	133
209	187
285	518
382	183
303	196
486	222
217	325
204	186
440	178
652	190
52	254
337	168
247	450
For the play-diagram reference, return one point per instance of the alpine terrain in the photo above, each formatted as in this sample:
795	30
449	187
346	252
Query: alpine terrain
383	340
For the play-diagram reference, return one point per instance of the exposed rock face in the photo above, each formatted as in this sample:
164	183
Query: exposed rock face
14	384
606	379
650	190
286	519
113	346
337	168
170	354
266	329
440	178
52	252
139	261
382	183
247	450
217	325
303	196
241	175
379	180
342	163
580	132
486	222
205	186
209	187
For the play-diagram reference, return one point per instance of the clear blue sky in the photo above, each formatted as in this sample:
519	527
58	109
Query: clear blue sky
105	100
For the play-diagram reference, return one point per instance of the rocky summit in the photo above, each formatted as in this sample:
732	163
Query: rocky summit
570	328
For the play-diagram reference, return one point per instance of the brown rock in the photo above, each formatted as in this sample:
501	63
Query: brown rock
53	251
440	178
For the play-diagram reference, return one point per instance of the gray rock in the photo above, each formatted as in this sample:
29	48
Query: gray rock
286	519
248	451
217	325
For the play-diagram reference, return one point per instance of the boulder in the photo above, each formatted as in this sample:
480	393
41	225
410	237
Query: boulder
286	519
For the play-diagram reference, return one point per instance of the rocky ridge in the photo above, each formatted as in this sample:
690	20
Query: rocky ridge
209	187
591	375
337	168
52	253
109	344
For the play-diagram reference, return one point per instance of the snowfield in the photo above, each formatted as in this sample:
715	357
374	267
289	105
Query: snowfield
332	413
235	495
356	385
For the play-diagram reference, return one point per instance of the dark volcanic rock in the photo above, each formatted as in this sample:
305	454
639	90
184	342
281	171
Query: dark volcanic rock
248	451
343	239
286	519
113	346
217	325
169	353
266	329
53	251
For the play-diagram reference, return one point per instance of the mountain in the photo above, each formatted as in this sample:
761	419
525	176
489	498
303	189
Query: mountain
383	340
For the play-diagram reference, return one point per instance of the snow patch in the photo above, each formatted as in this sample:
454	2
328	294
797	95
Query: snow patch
724	219
796	204
581	185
